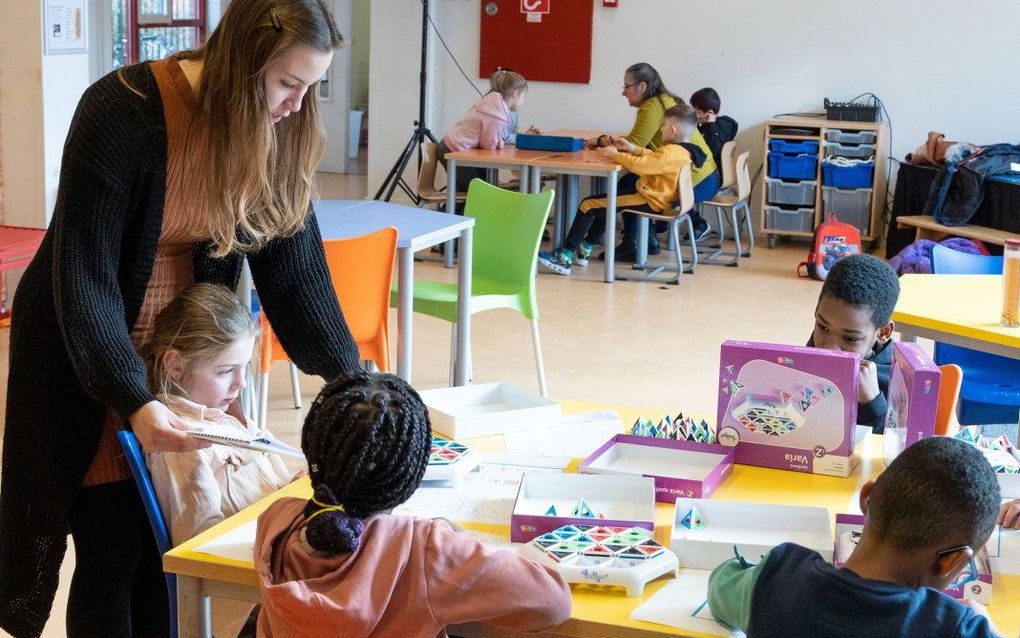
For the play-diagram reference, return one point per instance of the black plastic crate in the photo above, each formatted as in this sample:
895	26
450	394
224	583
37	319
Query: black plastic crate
848	112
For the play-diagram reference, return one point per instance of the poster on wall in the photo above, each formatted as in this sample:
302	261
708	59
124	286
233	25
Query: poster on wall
65	26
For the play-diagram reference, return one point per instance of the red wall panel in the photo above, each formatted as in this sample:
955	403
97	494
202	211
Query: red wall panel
556	49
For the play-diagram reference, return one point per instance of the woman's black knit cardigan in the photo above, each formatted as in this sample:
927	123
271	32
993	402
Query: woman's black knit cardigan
70	352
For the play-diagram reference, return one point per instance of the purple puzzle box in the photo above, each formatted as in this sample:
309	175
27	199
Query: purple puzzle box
789	407
913	399
679	468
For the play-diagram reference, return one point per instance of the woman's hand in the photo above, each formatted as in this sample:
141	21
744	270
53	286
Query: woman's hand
159	430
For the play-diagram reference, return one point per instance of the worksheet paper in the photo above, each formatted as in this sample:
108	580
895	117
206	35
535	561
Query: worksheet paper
677	605
485	496
573	436
237	544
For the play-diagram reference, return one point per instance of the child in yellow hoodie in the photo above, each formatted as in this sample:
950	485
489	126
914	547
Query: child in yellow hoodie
655	191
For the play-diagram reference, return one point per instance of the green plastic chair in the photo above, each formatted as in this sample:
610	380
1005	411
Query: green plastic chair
507	234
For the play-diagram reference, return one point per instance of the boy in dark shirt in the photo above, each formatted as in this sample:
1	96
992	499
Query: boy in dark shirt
716	129
854	314
925	517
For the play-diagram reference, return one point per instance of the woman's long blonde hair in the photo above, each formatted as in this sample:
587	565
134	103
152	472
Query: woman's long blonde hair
200	324
259	176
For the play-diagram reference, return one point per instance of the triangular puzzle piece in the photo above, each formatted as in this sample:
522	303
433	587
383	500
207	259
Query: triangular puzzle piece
693	519
582	510
551	511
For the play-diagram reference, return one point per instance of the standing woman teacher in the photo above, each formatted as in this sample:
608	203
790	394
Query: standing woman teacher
172	171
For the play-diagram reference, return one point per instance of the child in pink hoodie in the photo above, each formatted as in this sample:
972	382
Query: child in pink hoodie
488	124
340	564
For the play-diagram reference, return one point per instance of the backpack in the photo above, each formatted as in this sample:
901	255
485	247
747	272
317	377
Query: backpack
834	240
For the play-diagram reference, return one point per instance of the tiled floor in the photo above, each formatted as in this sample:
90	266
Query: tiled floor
626	343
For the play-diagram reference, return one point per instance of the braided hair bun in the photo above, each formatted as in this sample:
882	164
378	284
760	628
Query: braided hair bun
367	439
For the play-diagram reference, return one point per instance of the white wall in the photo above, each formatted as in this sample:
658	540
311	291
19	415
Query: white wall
937	65
21	113
334	109
359	45
394	45
65	78
40	93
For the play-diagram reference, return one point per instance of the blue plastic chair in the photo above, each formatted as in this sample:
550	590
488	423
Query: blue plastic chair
136	461
991	383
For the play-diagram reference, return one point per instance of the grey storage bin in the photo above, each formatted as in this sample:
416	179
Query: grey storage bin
800	193
850	137
861	151
851	205
795	219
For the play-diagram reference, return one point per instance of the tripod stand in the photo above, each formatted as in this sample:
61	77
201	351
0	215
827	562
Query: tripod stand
421	132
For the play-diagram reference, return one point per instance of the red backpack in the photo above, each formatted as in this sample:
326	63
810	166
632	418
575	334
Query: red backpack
834	240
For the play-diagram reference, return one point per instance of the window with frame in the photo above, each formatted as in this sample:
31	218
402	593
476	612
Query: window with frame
154	29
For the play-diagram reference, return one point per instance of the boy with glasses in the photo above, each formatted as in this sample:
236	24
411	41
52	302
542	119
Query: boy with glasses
925	517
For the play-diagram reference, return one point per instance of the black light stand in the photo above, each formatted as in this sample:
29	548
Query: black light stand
421	132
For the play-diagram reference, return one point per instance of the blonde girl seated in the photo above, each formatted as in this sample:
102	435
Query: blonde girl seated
488	124
197	357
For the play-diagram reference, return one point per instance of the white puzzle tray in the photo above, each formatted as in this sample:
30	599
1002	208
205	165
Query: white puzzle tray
598	555
449	461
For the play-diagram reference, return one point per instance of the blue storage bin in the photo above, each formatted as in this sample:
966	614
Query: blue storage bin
549	143
793	166
855	176
793	147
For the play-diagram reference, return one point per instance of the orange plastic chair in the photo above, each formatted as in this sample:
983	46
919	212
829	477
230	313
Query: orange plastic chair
949	395
361	269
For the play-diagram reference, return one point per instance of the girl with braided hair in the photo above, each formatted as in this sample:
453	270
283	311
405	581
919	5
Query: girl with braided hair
341	558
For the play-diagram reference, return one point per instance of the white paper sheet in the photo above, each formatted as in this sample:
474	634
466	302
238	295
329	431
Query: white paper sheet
574	436
677	605
237	544
1004	551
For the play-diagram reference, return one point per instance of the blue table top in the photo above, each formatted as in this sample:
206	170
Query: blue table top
417	228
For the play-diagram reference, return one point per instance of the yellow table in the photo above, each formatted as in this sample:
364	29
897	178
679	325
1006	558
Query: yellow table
596	613
959	309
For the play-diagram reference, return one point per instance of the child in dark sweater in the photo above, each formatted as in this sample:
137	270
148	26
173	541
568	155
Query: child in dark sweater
716	129
854	314
926	515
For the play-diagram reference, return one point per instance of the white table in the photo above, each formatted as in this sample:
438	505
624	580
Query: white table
417	229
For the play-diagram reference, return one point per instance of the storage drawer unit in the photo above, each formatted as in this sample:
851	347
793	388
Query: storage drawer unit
831	153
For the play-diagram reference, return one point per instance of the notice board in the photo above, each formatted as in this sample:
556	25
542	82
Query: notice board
543	40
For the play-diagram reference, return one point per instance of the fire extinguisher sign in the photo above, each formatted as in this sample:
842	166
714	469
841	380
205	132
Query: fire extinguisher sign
534	9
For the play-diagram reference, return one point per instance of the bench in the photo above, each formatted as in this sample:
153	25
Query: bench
928	228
